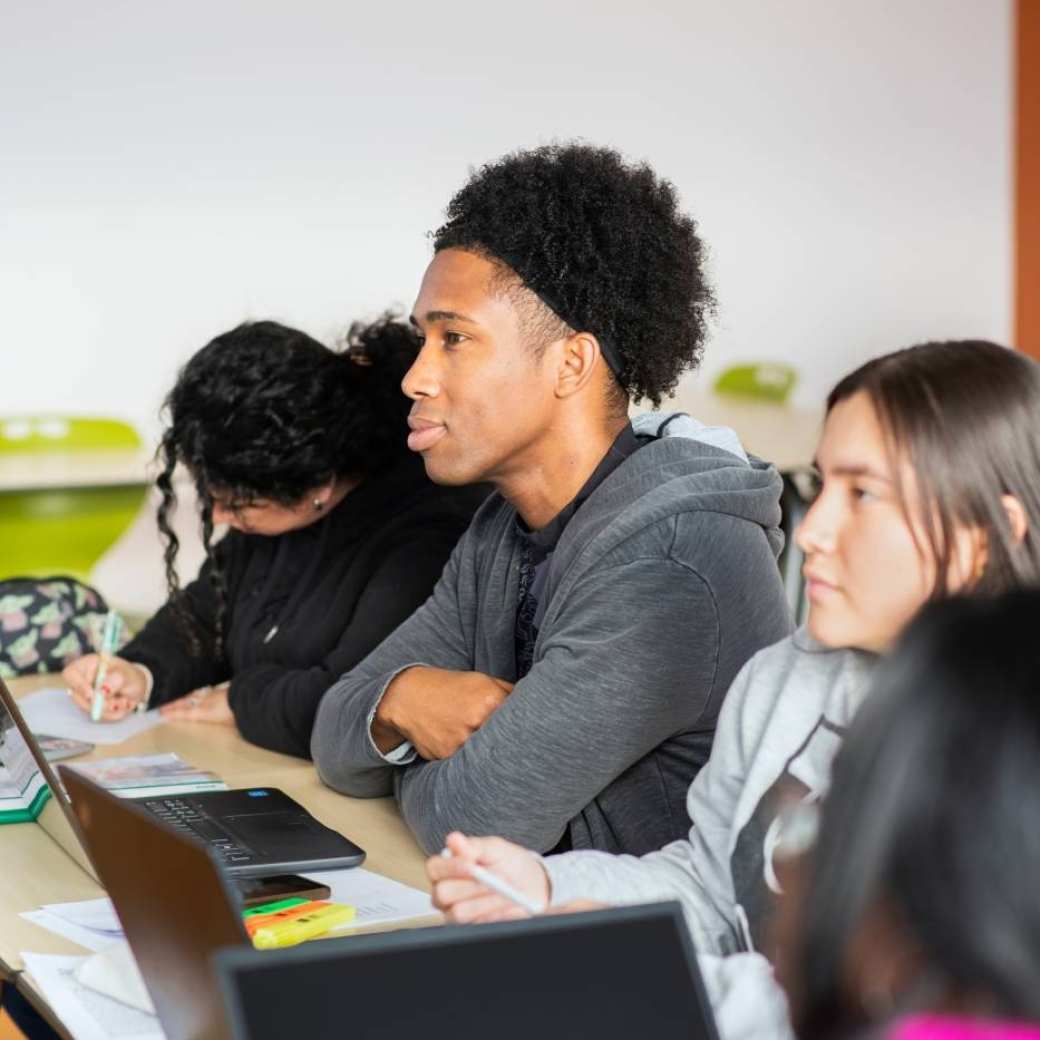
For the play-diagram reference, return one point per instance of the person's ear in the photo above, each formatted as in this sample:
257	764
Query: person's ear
578	359
320	497
975	545
968	559
1017	518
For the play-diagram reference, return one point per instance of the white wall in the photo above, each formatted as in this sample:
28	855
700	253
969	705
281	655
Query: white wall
168	170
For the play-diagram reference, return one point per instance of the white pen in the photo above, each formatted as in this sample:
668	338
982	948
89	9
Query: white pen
503	888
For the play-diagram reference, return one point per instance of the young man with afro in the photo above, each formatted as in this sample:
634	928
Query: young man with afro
561	685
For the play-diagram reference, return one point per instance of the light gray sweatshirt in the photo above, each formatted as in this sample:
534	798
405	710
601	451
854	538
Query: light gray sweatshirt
780	727
662	585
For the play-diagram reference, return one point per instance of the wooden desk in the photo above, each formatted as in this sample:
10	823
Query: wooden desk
36	870
783	434
36	471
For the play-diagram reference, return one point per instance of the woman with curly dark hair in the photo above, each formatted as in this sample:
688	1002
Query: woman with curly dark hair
336	533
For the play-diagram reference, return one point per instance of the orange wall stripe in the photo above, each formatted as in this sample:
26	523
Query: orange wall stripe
1027	176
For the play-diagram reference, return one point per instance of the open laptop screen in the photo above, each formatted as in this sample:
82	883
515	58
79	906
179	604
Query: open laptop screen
621	973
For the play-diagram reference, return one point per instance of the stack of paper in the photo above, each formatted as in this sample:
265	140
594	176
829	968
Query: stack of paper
92	923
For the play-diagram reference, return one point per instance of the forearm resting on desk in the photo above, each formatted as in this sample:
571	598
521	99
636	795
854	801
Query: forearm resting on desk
435	709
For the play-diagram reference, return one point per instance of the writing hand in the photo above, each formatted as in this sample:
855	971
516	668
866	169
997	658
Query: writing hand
125	685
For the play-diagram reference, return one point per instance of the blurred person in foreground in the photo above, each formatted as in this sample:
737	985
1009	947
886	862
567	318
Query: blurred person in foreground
916	914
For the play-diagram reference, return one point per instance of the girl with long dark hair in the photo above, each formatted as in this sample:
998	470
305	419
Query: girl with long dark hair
336	534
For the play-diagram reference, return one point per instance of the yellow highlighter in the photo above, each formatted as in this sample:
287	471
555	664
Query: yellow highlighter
299	929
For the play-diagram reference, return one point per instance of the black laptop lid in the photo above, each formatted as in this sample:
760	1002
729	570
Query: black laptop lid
620	973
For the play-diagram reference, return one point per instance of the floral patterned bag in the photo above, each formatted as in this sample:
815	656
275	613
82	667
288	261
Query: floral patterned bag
47	622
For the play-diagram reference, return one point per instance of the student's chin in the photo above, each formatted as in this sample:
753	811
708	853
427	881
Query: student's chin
447	475
827	629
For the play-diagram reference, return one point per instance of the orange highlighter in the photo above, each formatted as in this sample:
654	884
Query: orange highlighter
297	929
279	913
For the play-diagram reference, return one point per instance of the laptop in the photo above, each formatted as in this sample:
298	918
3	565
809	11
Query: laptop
176	906
610	974
254	831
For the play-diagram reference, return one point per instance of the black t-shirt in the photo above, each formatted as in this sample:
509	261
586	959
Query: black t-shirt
305	607
537	548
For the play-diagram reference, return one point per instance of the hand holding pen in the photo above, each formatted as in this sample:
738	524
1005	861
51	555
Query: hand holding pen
487	879
125	685
109	645
105	686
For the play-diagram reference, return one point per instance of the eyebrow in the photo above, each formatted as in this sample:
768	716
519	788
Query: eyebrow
435	316
853	470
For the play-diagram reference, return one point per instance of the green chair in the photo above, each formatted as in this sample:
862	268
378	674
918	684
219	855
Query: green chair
765	381
58	527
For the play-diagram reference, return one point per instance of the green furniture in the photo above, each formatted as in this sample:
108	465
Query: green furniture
69	487
764	381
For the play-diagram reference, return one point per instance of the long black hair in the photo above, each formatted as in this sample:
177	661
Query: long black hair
265	411
966	413
933	814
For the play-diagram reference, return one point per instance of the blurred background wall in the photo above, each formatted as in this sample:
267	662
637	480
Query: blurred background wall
169	170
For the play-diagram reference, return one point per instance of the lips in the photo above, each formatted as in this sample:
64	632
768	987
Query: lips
425	433
816	587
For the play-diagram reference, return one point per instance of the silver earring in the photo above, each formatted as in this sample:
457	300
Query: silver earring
318	505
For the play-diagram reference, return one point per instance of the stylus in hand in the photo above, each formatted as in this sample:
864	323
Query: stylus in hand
503	888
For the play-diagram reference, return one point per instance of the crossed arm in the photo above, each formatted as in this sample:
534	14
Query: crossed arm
607	688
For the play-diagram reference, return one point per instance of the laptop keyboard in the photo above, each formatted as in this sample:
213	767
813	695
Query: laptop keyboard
186	818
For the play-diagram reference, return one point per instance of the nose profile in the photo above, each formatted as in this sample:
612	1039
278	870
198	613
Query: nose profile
815	533
421	379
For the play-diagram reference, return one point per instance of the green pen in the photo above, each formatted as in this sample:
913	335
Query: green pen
273	908
109	645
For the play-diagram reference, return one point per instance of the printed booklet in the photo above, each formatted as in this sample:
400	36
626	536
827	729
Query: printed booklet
139	776
23	792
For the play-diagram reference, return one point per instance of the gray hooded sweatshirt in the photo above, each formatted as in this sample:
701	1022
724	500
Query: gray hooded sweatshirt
662	585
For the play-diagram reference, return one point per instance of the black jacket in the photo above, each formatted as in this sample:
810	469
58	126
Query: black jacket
303	608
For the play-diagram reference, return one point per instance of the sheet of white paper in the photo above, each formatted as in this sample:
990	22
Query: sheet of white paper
377	899
84	937
97	915
114	973
87	1015
51	711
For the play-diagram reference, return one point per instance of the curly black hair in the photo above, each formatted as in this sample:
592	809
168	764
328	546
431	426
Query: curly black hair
265	411
603	244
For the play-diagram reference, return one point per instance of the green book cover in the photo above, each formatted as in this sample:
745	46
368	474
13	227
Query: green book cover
30	812
23	792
